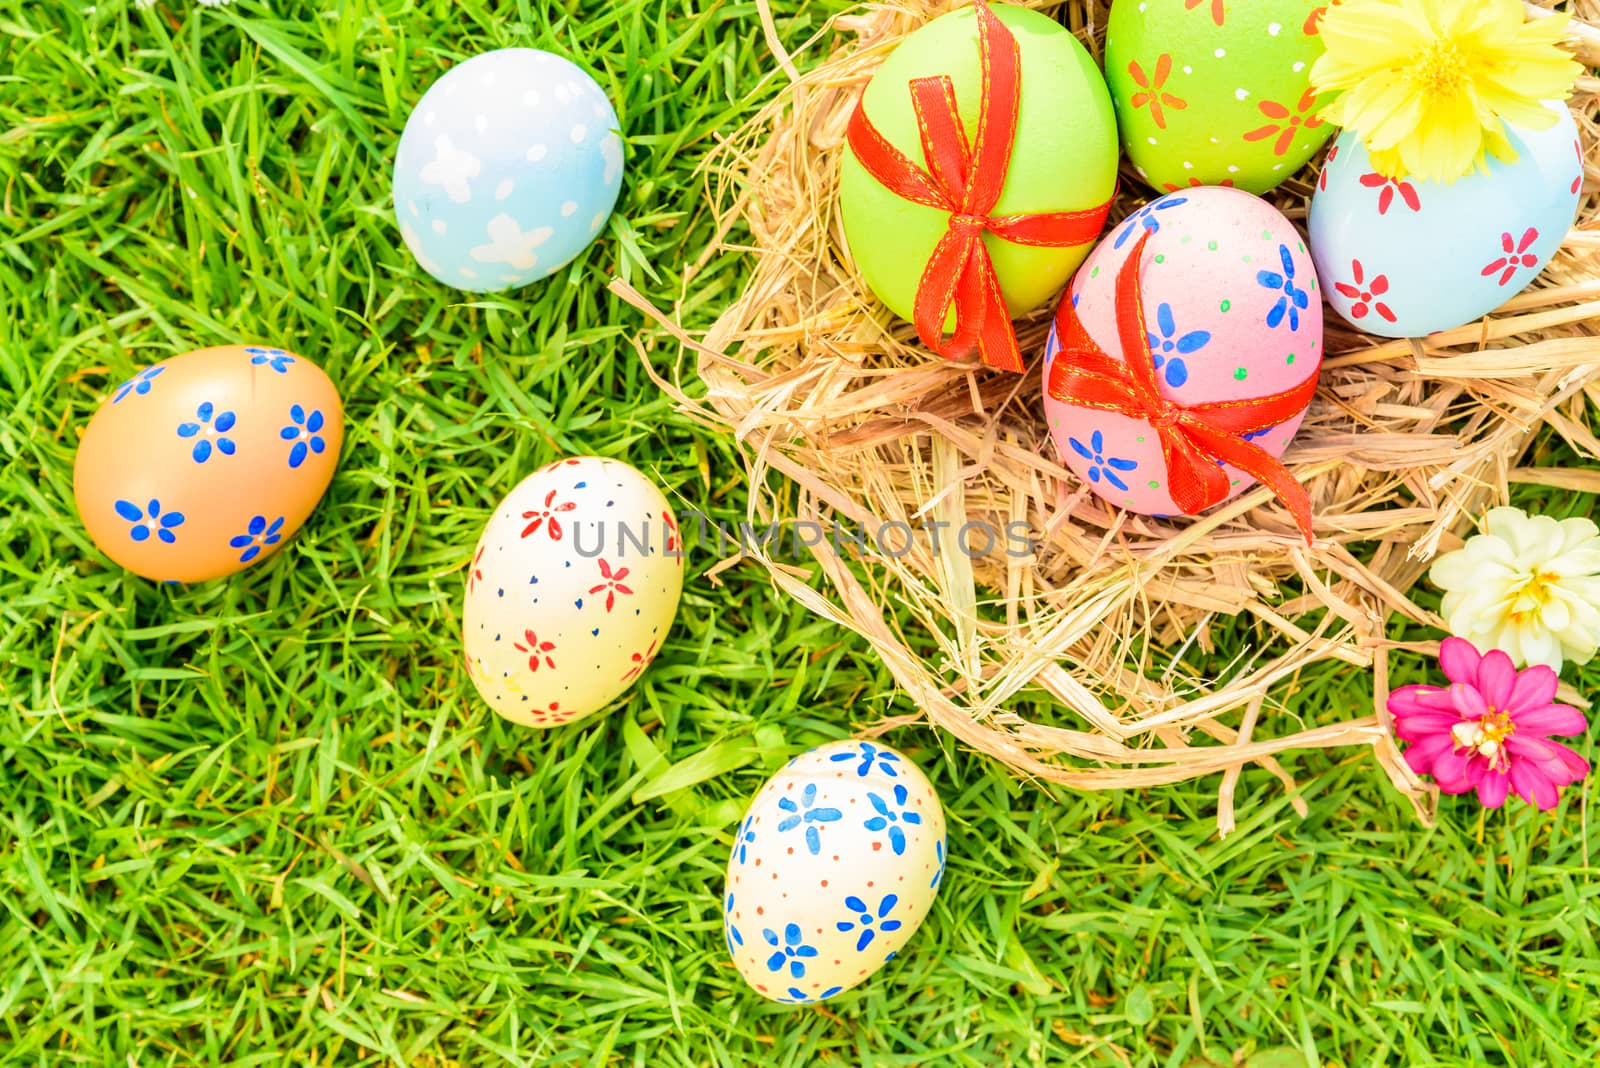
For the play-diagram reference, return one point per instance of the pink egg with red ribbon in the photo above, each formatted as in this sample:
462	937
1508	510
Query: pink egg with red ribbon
1184	355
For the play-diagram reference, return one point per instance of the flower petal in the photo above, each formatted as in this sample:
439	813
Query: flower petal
1459	659
1534	689
1533	787
1496	678
1492	789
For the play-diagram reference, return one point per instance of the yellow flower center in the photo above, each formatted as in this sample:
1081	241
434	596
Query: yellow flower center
1532	597
1486	736
1440	70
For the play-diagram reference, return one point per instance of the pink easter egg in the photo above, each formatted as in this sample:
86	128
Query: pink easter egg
1232	312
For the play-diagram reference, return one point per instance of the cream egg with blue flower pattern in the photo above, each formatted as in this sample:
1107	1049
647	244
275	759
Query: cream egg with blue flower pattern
834	867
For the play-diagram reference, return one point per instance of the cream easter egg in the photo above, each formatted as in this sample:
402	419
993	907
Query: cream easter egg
1210	92
1232	312
834	866
1407	257
571	590
203	464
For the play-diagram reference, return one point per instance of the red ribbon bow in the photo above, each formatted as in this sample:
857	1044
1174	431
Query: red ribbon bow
1193	437
966	180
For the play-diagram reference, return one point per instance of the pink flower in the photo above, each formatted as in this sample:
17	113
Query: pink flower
1489	729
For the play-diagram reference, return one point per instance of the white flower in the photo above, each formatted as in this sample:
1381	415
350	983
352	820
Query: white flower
1528	585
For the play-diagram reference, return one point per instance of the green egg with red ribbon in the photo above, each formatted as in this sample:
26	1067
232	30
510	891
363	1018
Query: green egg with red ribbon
981	162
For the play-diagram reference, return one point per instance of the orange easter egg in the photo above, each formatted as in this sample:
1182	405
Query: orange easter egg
203	464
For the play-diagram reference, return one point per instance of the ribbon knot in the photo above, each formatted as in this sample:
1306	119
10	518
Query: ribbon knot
974	223
966	178
1165	416
1195	438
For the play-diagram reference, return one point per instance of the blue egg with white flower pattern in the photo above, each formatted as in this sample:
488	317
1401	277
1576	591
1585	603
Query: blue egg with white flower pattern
833	868
508	168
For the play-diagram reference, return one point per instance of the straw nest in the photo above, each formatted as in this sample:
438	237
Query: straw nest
1406	444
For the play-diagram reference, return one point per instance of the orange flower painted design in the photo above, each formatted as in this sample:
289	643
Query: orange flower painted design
1195	183
1286	123
1217	12
1151	90
1312	19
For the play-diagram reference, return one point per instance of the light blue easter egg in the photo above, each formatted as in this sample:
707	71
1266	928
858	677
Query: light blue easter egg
508	168
1407	258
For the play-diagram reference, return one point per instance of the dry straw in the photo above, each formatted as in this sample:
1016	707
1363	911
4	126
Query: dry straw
1406	443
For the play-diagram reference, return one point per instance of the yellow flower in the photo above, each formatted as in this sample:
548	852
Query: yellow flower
1429	84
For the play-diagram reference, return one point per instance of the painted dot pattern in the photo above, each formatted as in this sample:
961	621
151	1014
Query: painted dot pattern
1213	93
834	866
570	591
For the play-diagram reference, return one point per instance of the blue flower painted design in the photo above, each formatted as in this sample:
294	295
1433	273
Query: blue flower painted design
1101	466
805	813
149	520
791	950
938	875
870	755
1263	432
731	933
796	996
1292	300
867	922
1170	347
276	359
258	535
305	432
743	837
210	429
139	383
892	817
1146	217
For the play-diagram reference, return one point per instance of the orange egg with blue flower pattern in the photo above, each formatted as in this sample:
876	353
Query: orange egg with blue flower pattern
206	463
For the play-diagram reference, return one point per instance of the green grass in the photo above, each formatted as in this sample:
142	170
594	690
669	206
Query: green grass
265	821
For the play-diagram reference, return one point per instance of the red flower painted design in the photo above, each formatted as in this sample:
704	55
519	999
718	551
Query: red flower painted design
1390	187
548	512
1286	123
1515	256
552	714
537	650
1322	179
551	466
612	584
640	662
671	526
476	575
1217	12
1311	27
1364	292
1151	90
1577	183
1195	183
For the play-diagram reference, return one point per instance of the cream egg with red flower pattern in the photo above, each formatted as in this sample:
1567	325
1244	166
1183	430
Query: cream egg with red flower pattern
571	590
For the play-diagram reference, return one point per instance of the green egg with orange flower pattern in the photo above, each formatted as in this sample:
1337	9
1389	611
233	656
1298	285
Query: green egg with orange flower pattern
1063	158
1215	92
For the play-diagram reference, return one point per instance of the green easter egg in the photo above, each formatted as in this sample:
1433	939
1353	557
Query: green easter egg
1209	92
1064	156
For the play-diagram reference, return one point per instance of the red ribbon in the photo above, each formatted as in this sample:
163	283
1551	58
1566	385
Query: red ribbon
1193	437
966	180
